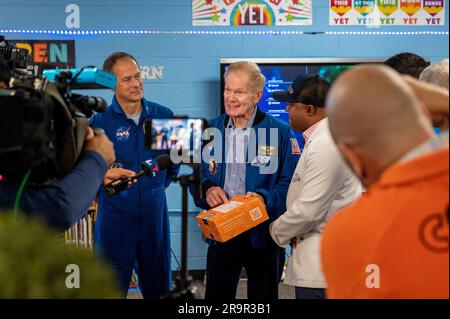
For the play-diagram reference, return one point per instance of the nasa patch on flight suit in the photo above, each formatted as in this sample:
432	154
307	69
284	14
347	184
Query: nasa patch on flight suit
261	160
123	133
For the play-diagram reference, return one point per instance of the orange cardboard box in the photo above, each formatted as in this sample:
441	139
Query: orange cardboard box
233	218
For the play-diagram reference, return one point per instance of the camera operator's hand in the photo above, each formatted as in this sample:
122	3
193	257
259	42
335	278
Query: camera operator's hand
99	143
215	196
115	173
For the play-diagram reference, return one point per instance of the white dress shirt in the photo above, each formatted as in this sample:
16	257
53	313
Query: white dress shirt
322	184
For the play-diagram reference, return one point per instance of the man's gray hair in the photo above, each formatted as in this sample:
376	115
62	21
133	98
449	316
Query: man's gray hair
436	73
257	79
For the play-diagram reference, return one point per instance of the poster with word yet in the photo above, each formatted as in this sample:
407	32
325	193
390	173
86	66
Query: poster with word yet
377	13
251	12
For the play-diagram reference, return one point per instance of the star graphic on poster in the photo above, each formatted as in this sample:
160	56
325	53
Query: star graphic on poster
215	18
281	11
223	11
209	2
289	17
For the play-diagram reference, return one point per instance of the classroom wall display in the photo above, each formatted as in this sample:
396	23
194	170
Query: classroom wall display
379	13
251	12
48	54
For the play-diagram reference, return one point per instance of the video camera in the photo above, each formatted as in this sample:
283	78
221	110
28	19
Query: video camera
42	123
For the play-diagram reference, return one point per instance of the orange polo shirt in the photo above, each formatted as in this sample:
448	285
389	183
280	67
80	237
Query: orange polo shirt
393	242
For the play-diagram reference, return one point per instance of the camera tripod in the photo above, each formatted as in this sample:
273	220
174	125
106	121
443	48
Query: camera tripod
183	282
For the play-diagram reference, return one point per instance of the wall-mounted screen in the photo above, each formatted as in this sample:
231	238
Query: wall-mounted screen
281	72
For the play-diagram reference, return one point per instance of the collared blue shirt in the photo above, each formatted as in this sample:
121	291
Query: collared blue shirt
236	153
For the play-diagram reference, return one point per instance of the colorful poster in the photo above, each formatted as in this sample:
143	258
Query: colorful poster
378	13
387	7
48	54
251	12
364	7
433	7
341	7
410	7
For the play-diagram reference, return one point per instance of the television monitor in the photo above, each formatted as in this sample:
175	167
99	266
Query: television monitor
280	73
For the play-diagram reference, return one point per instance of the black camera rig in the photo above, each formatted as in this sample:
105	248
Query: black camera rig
42	123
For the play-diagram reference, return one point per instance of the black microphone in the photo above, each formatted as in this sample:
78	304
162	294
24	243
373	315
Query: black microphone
149	167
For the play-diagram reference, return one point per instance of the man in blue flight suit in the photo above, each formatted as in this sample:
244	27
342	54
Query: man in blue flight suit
164	138
260	157
134	224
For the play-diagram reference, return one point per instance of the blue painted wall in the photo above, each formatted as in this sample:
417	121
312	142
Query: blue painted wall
190	85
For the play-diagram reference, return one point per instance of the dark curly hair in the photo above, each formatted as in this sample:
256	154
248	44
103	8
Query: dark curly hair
407	63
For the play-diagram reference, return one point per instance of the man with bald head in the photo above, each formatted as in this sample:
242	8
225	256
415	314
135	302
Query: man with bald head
393	243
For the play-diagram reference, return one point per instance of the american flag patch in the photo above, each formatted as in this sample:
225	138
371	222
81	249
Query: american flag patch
295	147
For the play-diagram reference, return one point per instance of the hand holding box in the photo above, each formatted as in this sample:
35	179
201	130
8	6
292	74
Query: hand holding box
228	220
